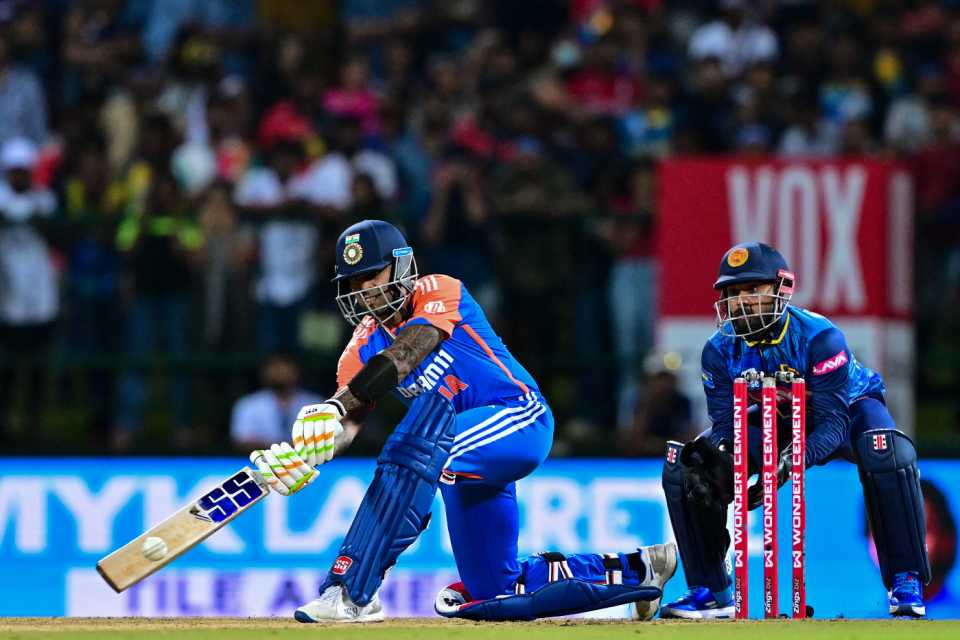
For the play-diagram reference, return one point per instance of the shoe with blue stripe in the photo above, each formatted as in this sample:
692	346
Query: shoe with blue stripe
906	597
699	603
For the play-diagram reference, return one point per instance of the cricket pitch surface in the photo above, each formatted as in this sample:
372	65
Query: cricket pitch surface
439	629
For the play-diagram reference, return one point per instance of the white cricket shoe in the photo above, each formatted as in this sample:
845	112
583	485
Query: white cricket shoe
660	561
334	605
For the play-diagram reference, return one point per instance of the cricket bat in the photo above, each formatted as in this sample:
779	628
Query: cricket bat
182	531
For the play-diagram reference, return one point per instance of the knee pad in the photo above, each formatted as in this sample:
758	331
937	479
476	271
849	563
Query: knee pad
396	506
887	463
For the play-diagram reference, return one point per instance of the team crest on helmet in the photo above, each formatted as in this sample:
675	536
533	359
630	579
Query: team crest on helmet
353	253
738	257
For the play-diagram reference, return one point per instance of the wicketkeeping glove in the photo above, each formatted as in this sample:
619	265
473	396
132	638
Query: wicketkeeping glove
784	467
284	470
707	474
314	431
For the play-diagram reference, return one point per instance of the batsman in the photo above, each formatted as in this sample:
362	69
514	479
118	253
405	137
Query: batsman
476	424
847	417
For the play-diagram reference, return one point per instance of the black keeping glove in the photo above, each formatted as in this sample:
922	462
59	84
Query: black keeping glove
784	467
707	474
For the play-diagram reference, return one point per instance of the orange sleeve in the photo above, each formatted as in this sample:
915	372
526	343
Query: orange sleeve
436	301
350	362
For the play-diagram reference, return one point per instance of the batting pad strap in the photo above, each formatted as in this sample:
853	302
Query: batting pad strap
557	567
396	506
560	598
611	562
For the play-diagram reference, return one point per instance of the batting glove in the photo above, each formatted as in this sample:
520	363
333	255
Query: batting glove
314	431
283	469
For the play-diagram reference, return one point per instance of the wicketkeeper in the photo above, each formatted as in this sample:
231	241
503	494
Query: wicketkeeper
847	418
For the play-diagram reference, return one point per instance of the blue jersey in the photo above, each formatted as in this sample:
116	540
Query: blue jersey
806	344
471	367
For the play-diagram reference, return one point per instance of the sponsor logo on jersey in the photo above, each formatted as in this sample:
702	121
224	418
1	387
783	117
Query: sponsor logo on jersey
435	306
880	442
738	257
830	364
341	565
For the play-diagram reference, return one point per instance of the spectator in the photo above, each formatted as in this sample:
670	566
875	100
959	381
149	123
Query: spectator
856	139
157	305
663	413
290	119
410	150
456	232
707	113
398	77
93	322
353	97
601	86
632	291
288	238
649	129
99	44
806	134
365	201
735	39
326	183
846	93
164	20
265	416
226	254
29	297
907	126
23	106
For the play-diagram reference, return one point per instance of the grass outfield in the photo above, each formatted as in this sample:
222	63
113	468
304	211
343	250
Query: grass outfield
430	629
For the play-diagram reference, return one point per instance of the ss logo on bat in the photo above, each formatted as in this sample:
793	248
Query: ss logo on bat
224	501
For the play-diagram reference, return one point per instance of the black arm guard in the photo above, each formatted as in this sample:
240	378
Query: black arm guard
375	380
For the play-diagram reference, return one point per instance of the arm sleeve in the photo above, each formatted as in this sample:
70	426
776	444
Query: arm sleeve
436	301
718	387
827	408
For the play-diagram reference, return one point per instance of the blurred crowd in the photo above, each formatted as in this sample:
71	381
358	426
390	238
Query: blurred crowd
175	173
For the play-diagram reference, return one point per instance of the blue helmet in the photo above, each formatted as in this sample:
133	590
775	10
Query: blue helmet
750	262
753	313
365	249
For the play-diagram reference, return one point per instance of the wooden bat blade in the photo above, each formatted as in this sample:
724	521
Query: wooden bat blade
185	529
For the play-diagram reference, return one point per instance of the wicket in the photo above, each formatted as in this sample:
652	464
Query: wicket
768	478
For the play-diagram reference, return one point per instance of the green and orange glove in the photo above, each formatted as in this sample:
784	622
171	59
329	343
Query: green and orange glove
283	469
315	430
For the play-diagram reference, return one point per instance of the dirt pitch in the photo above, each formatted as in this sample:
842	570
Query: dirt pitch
433	628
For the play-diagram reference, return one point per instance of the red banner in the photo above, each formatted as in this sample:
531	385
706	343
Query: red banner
844	226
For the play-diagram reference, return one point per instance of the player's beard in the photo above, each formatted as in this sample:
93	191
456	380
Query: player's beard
754	321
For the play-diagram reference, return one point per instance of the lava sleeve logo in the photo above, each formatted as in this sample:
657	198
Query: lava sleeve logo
832	363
